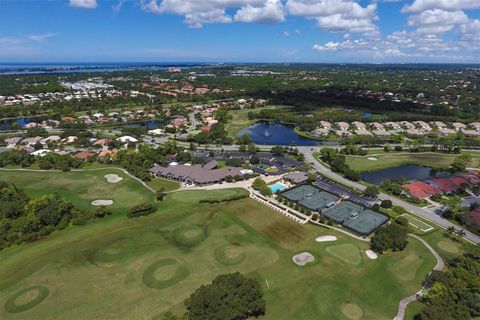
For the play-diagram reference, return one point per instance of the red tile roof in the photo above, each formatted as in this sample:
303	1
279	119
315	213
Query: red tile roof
421	190
445	184
84	155
475	216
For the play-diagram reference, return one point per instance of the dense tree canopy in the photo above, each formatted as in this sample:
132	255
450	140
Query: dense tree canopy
230	296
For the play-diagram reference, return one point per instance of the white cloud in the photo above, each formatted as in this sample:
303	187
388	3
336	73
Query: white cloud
329	46
449	5
197	13
41	37
336	15
438	17
84	4
272	11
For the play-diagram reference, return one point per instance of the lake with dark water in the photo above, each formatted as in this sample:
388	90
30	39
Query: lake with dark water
268	133
409	172
11	124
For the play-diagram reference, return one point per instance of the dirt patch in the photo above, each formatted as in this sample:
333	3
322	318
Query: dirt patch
113	178
372	159
303	258
351	310
326	239
447	246
102	202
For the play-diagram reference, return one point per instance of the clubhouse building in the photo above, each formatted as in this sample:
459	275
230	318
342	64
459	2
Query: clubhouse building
199	175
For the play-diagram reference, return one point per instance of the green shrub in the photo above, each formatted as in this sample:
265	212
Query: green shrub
141	210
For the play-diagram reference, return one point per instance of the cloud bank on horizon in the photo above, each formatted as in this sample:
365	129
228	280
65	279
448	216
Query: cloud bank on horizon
441	29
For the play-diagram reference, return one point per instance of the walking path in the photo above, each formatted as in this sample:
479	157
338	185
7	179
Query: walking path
402	305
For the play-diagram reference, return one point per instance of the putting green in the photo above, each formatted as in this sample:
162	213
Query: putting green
26	299
230	255
406	269
346	252
447	246
351	310
164	273
189	236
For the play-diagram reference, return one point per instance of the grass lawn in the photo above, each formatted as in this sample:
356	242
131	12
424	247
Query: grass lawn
389	160
82	187
240	119
167	185
120	268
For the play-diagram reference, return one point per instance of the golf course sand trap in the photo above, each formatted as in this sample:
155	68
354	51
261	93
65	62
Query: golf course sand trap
102	202
371	254
372	159
326	239
303	258
447	246
351	310
113	178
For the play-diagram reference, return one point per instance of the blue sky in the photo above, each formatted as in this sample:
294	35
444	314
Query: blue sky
240	30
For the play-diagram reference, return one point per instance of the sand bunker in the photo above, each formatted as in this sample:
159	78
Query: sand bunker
372	159
102	202
113	178
326	239
303	258
371	254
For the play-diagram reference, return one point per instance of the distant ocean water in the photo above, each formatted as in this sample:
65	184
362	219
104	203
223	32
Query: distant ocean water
47	68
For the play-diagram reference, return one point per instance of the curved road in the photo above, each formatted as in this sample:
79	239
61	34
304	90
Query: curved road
430	216
402	305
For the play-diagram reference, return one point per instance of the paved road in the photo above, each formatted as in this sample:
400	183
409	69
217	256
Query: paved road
431	216
402	305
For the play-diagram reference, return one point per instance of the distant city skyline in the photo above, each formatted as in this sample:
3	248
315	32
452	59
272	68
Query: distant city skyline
268	31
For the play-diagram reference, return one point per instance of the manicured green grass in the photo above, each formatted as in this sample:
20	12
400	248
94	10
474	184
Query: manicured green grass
416	223
346	252
82	187
390	160
120	268
166	185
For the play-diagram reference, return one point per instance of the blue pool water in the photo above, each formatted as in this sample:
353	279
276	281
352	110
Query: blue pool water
277	187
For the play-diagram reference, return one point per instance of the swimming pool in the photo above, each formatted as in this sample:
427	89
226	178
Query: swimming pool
277	187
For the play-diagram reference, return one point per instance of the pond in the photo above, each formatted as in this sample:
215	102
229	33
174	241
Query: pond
11	124
409	172
150	124
267	133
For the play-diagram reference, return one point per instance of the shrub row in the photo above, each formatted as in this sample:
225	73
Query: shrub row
232	198
141	210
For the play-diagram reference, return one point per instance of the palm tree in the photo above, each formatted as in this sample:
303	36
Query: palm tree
450	231
461	233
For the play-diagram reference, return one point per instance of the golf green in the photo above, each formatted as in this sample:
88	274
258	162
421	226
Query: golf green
134	268
346	252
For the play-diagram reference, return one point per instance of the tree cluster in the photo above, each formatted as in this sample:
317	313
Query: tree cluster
392	237
26	219
455	292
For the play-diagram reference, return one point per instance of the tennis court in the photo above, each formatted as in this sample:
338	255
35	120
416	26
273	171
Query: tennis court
342	211
365	222
422	226
310	197
354	217
300	192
